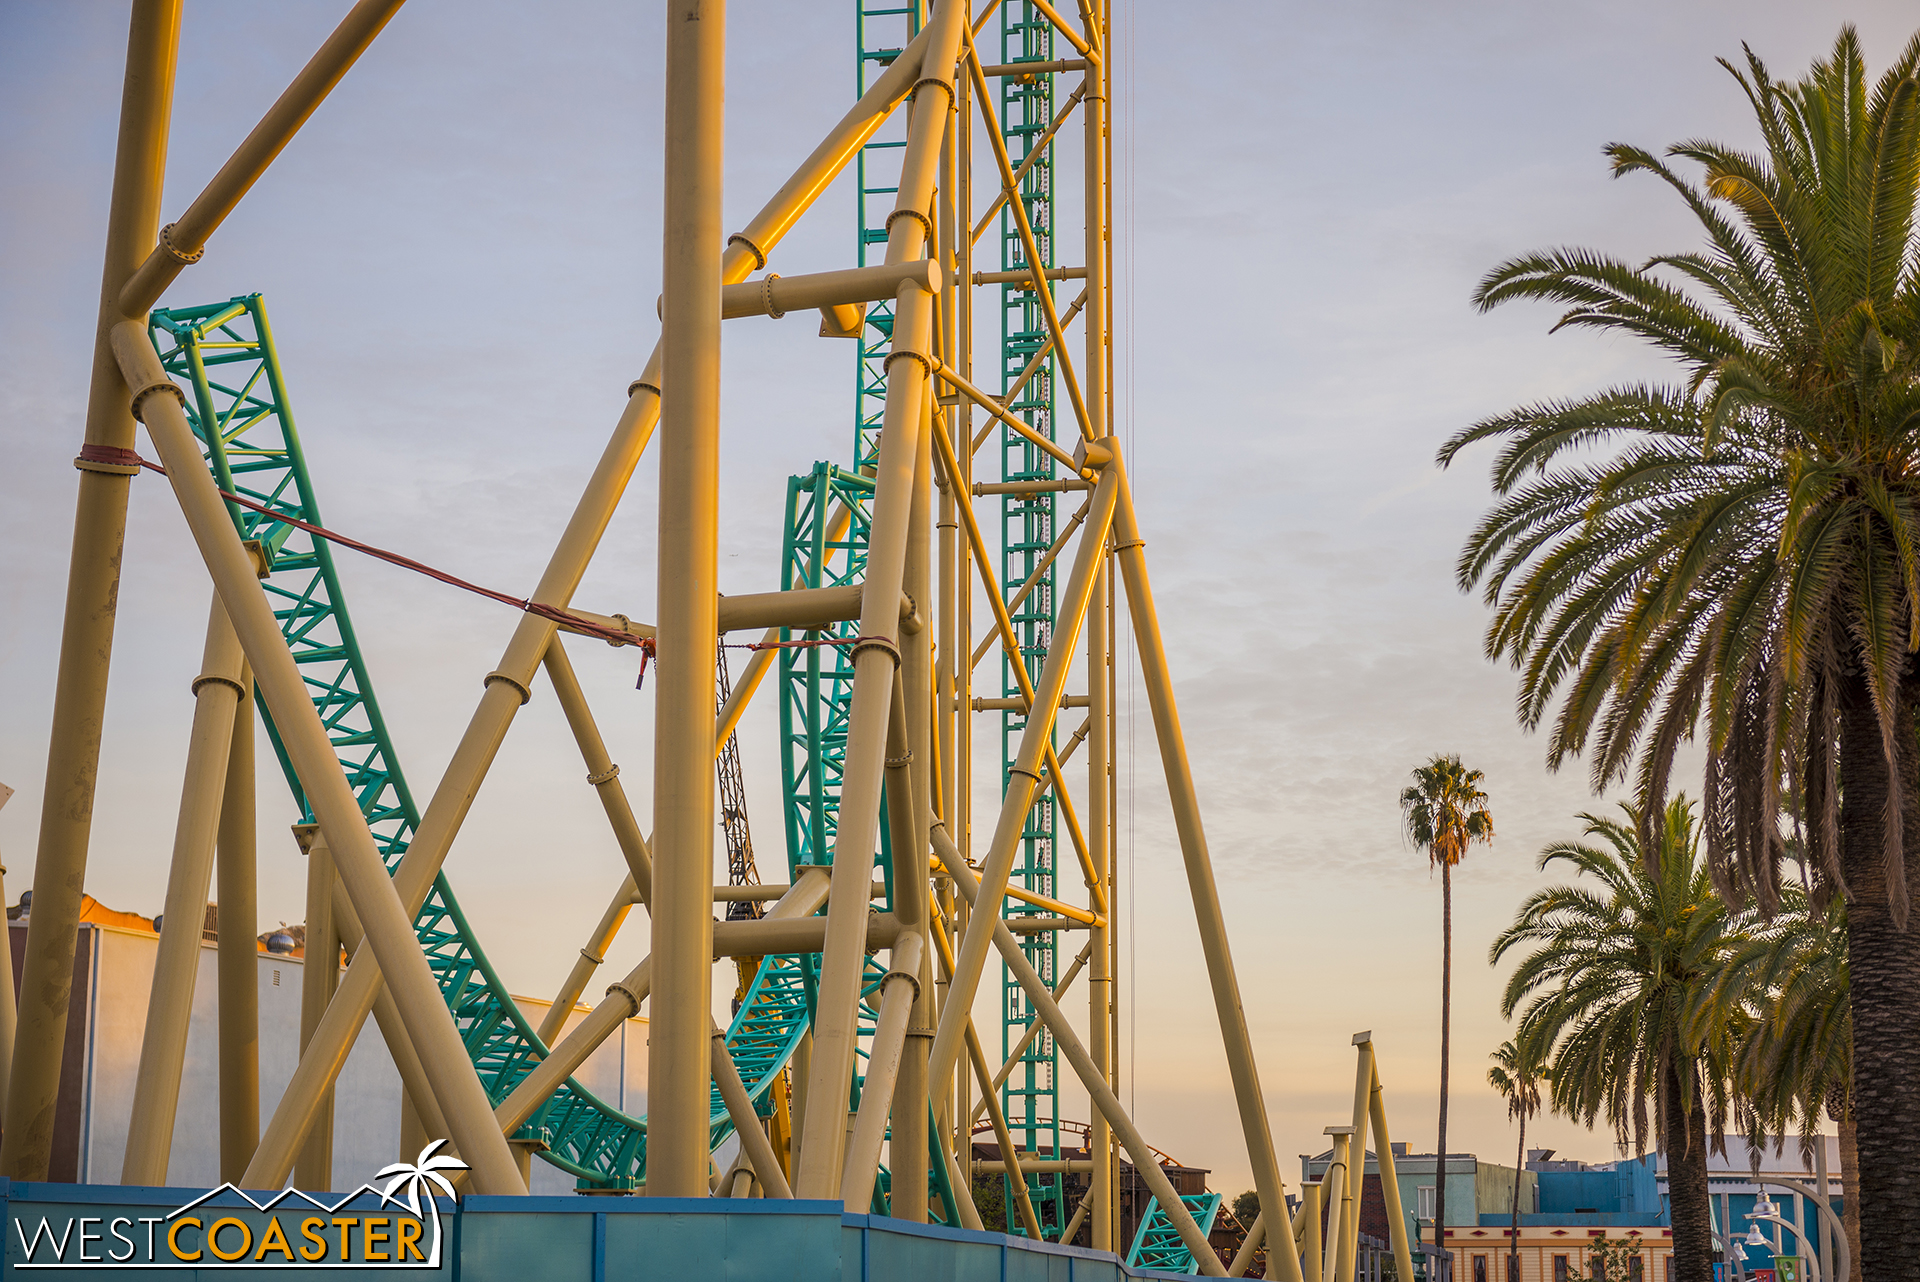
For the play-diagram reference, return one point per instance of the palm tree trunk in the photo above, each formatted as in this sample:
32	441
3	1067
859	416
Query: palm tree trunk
1691	1200
1883	963
1519	1178
1446	1033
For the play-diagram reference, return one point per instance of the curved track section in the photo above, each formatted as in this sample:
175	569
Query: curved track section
224	356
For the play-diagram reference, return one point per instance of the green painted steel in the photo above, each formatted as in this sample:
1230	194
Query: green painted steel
1031	1094
816	682
238	407
1158	1246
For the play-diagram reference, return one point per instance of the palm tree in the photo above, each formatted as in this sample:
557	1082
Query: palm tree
1736	552
1615	990
1516	1074
1444	812
1795	1064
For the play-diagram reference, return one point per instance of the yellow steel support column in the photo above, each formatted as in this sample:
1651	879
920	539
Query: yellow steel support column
1313	1211
899	993
239	960
1023	778
678	1081
319	977
755	1148
1158	681
1099	944
601	772
1145	1161
1099	635
910	901
591	956
182	242
1389	1177
163	1047
509	685
1356	1172
876	657
1339	1199
93	585
386	921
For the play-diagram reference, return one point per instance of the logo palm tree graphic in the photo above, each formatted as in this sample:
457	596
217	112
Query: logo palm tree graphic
422	1175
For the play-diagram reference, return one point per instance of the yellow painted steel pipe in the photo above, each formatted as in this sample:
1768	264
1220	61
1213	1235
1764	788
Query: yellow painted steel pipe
1035	362
622	1002
678	1080
875	661
1145	1160
1340	1207
601	772
1249	1248
1032	1165
1034	153
898	990
508	686
770	935
1100	849
1158	680
907	367
185	240
1036	261
1027	1038
908	795
1002	1134
1022	778
415	1090
1074	38
86	630
1023	277
591	956
239	950
778	295
1389	1177
754	1145
770	892
1022	70
319	977
991	405
163	1046
387	923
1035	578
1350	1225
1312	1213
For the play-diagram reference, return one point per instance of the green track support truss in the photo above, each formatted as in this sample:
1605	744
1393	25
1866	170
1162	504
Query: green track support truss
1158	1246
224	357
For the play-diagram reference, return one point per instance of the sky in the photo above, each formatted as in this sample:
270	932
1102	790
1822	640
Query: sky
461	254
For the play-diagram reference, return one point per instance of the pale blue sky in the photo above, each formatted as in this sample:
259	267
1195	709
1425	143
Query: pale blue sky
461	256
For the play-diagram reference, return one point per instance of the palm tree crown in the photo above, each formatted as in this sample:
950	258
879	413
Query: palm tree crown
1614	987
1445	811
1752	542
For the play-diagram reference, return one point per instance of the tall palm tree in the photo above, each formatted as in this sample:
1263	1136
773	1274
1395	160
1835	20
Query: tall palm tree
1614	987
1444	812
1736	552
1796	1063
1516	1074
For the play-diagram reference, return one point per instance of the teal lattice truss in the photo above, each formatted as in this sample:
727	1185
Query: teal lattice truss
1031	1095
238	406
1158	1246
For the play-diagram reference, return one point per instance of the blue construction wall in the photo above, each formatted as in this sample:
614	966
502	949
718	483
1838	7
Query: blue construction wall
1630	1188
559	1239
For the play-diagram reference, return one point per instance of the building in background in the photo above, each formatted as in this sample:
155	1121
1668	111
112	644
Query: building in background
113	980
